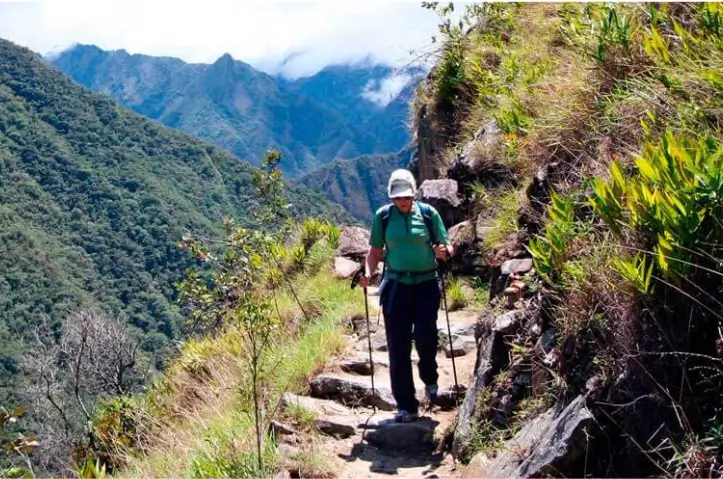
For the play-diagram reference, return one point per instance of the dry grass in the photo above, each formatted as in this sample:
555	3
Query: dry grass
195	417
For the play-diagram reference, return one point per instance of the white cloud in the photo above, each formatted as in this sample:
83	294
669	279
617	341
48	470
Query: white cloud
263	33
384	91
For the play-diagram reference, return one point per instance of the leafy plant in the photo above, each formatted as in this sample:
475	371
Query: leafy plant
549	251
676	201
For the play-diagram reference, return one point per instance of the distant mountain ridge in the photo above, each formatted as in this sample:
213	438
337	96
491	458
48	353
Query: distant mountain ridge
359	184
340	112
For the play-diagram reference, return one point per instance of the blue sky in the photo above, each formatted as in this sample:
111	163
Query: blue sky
262	33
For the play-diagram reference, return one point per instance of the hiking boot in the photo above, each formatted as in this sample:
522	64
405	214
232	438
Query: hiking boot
431	392
404	416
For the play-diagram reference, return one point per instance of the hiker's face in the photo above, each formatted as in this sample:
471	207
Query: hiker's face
404	203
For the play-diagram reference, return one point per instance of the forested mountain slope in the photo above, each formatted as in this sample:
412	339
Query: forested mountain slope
93	201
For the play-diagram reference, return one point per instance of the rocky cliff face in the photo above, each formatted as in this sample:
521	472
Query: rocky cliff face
593	357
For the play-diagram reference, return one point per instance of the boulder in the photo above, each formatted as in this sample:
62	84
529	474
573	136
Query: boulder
345	268
353	243
467	258
508	323
546	446
442	195
509	457
516	266
563	441
352	393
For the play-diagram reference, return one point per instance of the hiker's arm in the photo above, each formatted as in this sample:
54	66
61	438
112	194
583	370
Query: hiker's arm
444	242
374	256
376	247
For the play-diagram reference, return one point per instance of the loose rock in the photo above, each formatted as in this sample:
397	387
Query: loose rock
516	266
360	366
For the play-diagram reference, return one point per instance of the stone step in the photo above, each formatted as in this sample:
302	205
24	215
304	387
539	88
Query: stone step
390	435
352	392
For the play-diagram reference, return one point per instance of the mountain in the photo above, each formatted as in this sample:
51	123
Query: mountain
312	121
386	95
94	199
358	184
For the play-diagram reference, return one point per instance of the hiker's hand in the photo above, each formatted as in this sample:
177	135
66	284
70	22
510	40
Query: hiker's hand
441	251
364	281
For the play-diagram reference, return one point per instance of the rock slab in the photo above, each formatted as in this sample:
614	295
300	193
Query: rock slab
351	393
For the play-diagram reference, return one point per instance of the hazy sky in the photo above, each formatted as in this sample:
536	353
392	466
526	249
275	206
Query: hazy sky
262	32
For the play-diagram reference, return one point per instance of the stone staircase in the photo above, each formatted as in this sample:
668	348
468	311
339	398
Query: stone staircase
367	441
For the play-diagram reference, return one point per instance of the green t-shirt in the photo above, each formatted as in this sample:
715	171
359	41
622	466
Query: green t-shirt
408	243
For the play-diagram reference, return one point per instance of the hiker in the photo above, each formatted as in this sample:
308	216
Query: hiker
409	294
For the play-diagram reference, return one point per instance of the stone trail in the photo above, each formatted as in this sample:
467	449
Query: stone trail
364	443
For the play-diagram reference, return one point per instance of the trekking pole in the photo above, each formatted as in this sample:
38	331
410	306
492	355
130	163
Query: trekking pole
354	282
449	336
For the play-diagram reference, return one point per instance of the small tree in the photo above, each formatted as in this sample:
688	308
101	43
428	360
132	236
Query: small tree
232	293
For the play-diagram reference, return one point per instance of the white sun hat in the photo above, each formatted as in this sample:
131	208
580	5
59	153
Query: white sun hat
401	184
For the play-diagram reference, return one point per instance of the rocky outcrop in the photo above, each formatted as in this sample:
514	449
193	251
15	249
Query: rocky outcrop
546	446
479	162
468	259
435	125
492	356
442	195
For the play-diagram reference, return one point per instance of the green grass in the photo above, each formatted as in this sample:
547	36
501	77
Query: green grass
204	425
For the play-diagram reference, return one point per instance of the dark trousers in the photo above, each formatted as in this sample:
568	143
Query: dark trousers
410	312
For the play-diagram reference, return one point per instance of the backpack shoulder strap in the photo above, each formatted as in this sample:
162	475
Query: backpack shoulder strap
386	213
427	216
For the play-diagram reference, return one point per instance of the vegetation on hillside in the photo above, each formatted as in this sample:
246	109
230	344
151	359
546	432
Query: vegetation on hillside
93	201
264	313
358	184
610	114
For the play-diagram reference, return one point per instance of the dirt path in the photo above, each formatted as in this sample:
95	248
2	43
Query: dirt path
367	443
